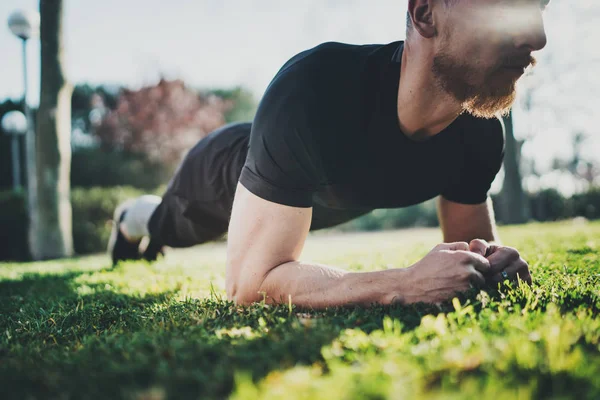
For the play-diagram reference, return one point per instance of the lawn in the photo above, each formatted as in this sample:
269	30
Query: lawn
78	329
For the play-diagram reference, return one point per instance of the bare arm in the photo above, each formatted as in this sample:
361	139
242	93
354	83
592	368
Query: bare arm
466	222
476	225
265	240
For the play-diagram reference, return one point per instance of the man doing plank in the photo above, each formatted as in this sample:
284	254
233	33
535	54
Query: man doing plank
345	129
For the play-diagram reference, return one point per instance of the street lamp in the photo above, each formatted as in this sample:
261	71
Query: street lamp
26	25
14	124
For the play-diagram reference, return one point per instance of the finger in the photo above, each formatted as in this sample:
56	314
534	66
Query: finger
502	258
479	262
464	246
514	272
477	279
479	246
492	248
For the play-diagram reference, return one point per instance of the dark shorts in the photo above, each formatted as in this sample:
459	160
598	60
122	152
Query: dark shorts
197	203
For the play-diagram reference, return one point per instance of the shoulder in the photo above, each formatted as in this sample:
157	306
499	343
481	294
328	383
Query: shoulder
309	83
324	66
327	54
323	83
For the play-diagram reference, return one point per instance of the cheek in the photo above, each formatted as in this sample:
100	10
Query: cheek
481	57
465	45
481	37
476	58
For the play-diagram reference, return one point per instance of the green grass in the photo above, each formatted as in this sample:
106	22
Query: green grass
78	329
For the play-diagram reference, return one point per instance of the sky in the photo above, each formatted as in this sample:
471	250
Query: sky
224	43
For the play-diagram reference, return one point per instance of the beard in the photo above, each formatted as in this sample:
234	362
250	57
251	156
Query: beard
484	94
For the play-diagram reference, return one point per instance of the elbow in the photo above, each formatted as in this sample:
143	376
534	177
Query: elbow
245	284
243	300
242	291
244	296
240	296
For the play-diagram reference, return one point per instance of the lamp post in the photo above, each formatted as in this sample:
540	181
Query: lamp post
14	123
26	25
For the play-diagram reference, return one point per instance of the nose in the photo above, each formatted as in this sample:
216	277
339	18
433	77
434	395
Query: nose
529	32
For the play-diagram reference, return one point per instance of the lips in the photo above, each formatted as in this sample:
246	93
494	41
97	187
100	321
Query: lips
517	61
516	70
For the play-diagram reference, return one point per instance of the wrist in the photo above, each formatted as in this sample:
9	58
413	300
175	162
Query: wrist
392	286
399	286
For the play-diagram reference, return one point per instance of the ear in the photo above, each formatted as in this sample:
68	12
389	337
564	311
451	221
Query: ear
421	13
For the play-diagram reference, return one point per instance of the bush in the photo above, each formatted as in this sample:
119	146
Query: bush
545	205
96	167
587	204
92	211
549	205
13	226
93	208
424	214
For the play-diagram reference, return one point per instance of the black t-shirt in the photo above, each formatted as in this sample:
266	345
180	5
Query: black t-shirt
326	136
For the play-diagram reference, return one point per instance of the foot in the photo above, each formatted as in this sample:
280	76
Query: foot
119	248
152	251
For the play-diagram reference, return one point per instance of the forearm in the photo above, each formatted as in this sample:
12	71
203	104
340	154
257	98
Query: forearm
463	222
319	286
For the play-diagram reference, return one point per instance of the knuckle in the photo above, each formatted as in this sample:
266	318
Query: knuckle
475	276
522	264
464	274
468	273
511	252
461	256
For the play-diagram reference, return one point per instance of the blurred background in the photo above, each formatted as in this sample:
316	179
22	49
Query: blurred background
120	90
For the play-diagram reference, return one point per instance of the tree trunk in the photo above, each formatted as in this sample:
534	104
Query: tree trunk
54	238
515	209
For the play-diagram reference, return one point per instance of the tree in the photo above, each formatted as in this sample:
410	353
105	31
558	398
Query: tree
162	121
244	105
584	169
52	232
560	97
86	99
513	201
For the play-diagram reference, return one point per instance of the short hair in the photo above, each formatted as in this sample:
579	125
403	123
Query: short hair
409	24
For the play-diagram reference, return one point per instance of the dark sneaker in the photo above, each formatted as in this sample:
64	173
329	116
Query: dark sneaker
118	247
152	251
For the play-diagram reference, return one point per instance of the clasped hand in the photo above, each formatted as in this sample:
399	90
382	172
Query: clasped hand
502	259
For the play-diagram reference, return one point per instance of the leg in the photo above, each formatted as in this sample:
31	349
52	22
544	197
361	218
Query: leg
179	223
130	221
170	221
135	221
196	206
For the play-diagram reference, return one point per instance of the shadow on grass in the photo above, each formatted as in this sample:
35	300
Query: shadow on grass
35	286
58	343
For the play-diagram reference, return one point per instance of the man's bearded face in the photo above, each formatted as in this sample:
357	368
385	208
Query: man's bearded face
480	67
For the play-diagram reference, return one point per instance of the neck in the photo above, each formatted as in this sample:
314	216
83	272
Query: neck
424	109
